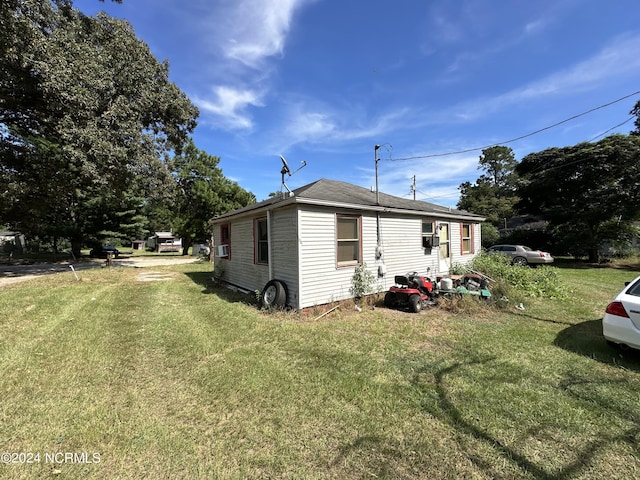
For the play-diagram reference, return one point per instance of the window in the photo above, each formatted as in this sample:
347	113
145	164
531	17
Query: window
348	240
444	240
428	240
261	236
466	238
225	239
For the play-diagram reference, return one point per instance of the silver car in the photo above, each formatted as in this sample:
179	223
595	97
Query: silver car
521	255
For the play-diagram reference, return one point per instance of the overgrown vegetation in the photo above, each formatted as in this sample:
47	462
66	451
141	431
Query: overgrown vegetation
520	281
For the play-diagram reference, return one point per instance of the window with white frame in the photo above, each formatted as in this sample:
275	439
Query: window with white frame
348	241
428	233
444	240
466	238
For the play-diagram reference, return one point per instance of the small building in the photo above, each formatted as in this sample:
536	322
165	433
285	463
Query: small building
165	242
311	241
138	245
12	242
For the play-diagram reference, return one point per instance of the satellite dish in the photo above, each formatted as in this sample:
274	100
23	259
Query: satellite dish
287	171
285	166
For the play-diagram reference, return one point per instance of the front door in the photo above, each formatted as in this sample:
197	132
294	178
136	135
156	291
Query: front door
445	248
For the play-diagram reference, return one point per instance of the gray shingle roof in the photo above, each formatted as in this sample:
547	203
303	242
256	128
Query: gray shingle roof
338	193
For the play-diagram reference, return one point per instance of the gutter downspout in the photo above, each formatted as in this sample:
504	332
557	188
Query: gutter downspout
269	244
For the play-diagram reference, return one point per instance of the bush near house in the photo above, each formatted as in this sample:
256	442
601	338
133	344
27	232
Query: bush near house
520	281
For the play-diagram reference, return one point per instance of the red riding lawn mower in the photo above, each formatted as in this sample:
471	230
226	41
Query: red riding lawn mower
414	293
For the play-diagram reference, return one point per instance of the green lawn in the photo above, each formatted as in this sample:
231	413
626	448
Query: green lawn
177	379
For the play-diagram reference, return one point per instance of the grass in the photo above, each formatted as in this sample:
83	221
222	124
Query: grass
180	379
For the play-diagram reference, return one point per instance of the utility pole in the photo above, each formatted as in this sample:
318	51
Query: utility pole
375	157
413	187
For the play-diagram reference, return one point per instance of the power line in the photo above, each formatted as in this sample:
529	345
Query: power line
522	136
612	128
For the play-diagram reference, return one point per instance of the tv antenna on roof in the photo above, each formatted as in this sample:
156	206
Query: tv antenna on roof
287	171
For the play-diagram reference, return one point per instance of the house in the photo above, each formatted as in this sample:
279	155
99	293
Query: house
165	242
310	242
12	242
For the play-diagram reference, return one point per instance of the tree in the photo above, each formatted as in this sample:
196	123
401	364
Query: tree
499	163
85	112
636	112
589	193
202	193
493	194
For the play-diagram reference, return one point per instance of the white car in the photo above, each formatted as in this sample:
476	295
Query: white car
621	321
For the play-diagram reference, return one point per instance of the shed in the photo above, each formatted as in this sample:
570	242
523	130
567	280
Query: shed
311	241
138	245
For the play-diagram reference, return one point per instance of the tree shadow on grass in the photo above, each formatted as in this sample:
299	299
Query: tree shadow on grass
586	339
434	381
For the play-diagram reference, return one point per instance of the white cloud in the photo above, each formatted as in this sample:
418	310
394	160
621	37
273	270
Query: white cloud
254	30
240	37
308	124
230	106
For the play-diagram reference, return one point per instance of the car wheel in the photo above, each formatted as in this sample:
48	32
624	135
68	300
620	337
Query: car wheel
519	261
390	300
274	294
415	303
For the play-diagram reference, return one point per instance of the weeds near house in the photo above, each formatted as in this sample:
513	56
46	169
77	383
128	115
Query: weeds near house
520	281
362	282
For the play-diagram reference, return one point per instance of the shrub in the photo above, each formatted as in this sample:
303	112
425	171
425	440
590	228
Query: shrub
362	281
541	282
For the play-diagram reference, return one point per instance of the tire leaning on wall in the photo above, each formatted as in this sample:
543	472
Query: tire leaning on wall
274	294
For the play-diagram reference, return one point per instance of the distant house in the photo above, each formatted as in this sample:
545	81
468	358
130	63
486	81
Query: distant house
12	242
165	242
309	244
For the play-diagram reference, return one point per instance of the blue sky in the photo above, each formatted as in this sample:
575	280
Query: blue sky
325	81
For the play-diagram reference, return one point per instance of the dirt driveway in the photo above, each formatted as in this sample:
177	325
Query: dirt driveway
19	273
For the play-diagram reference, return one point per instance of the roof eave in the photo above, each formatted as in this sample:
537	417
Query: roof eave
382	208
252	211
350	206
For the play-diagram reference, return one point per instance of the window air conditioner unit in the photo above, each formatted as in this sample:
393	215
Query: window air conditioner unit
223	251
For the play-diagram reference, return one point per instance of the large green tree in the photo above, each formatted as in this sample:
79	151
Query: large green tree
202	192
86	111
493	194
589	193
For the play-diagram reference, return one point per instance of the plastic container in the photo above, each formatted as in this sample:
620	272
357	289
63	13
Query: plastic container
446	284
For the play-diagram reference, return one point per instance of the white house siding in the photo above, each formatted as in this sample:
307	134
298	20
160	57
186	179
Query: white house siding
402	248
284	251
321	281
241	269
303	252
456	241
